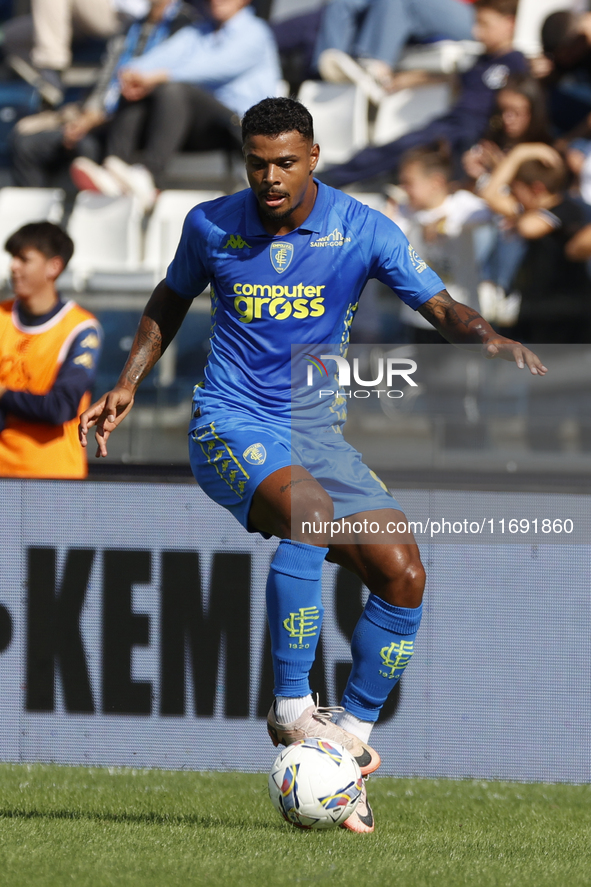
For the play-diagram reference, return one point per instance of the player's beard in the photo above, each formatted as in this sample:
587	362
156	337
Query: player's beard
275	216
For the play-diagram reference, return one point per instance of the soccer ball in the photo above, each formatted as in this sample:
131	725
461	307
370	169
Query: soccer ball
314	783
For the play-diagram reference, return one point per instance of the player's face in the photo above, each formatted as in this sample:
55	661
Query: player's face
31	272
279	171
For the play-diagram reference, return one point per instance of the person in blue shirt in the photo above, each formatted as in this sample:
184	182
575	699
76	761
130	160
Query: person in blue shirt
37	153
189	92
287	260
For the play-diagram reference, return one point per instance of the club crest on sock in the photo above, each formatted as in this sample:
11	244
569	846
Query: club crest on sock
395	658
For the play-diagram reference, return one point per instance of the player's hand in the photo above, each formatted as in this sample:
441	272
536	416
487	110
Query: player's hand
507	349
106	414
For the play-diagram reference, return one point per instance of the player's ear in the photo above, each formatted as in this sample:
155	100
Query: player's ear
314	157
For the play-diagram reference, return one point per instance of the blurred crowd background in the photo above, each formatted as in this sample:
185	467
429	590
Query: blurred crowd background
468	123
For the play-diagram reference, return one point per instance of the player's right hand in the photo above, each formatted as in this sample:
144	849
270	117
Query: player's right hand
106	414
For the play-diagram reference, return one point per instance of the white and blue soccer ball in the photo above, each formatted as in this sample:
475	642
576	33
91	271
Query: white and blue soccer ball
315	784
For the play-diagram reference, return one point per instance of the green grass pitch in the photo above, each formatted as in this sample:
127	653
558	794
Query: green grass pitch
93	827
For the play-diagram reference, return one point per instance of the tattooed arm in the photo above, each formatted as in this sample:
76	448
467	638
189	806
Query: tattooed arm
158	326
462	325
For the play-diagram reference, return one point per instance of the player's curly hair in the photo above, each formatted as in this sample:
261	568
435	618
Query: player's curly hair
272	117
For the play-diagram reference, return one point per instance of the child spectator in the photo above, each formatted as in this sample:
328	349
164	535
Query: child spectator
519	116
467	121
528	188
440	225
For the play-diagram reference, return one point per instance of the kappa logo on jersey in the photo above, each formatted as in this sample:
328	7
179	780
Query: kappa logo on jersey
281	255
255	454
335	238
85	360
236	241
91	341
416	260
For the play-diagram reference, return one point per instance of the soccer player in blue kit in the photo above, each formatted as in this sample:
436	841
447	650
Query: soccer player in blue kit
276	282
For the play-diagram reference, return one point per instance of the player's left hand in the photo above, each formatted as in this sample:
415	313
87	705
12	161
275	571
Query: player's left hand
507	349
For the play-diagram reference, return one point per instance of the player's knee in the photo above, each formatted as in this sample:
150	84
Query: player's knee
311	515
400	579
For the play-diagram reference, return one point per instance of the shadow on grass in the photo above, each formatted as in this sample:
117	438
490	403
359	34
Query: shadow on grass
204	821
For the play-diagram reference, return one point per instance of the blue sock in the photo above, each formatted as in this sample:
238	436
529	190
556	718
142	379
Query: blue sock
381	647
294	611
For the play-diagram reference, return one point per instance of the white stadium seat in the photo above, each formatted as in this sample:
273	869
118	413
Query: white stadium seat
165	226
531	15
107	236
19	206
441	57
409	109
340	118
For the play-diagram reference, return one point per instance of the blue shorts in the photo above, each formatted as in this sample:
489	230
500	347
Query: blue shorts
231	456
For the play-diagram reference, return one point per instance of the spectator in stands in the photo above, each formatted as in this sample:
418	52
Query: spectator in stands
578	160
520	115
374	32
50	29
528	188
467	121
48	358
565	69
188	92
296	41
439	222
44	143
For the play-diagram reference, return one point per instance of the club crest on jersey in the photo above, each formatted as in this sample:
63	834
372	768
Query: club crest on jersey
281	255
255	454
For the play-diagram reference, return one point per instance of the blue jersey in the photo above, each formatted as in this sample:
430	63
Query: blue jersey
270	293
